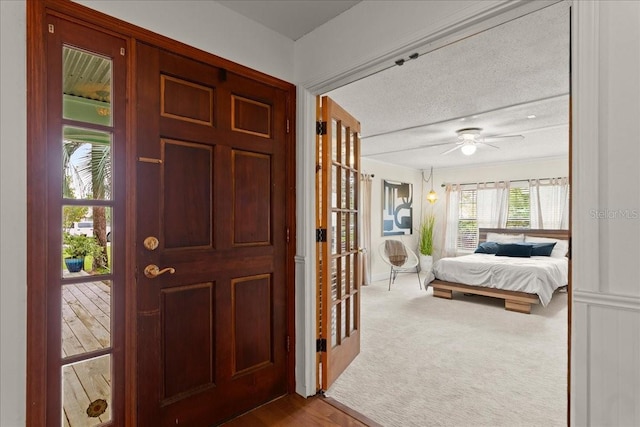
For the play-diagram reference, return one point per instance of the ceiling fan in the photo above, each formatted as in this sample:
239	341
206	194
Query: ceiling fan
469	139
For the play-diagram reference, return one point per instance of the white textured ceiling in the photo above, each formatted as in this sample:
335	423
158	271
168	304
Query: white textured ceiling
492	80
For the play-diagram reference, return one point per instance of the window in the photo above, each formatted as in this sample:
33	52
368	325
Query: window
468	220
518	216
530	204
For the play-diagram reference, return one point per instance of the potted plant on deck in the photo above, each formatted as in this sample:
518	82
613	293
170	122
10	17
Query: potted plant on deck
76	248
425	243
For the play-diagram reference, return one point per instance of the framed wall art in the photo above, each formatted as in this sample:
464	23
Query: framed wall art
397	208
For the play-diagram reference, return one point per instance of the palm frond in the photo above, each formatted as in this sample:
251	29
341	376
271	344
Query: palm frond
94	168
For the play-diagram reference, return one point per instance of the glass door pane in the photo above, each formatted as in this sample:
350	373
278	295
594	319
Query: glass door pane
86	392
86	87
87	206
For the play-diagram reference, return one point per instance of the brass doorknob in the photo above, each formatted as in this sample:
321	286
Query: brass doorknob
152	271
151	243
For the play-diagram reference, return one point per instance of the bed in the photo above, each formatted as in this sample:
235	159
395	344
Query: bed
520	280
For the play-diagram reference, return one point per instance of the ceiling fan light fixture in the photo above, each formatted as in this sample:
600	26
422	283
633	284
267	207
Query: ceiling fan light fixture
468	149
468	134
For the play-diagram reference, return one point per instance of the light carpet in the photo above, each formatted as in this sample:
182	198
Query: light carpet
428	361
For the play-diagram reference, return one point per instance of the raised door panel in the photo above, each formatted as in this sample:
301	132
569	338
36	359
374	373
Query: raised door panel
187	194
252	326
252	198
184	100
188	338
250	116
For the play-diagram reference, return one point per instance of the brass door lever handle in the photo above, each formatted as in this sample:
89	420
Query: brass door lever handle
152	271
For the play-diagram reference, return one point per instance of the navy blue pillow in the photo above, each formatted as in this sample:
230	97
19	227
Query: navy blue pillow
542	249
514	250
487	248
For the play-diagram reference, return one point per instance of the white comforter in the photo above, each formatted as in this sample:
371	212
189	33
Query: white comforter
536	275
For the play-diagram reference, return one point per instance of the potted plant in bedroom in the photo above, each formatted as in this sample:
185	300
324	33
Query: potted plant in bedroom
76	248
425	243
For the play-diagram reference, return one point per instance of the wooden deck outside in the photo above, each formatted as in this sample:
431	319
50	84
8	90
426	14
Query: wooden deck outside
86	326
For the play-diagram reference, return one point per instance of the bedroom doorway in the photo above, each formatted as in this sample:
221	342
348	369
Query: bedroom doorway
567	138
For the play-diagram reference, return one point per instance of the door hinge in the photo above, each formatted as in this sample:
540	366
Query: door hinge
321	234
288	344
287	235
321	345
287	125
321	128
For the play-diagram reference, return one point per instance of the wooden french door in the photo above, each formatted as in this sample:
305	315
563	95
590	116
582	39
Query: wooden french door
211	241
337	234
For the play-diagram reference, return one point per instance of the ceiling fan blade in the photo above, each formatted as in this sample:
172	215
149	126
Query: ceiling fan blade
452	149
440	144
401	150
503	137
490	145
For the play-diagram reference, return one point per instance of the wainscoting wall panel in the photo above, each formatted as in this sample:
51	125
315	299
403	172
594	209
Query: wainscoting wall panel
606	345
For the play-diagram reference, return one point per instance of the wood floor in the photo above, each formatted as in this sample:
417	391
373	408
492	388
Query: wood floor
295	410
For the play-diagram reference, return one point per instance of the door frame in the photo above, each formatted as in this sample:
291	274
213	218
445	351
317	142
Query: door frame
457	29
37	297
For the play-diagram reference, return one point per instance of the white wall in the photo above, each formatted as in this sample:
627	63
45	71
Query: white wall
211	27
605	380
372	34
343	38
545	168
382	171
13	212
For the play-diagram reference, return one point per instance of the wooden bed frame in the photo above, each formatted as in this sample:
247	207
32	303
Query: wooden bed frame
513	300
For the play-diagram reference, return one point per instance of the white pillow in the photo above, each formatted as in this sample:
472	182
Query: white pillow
559	250
505	238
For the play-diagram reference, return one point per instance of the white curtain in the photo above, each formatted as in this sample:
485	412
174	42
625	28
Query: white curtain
365	230
492	201
549	203
450	235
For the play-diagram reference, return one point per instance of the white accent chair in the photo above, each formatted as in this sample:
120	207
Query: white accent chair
399	258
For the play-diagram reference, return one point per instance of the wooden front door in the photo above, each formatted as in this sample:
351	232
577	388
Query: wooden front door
338	256
211	241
